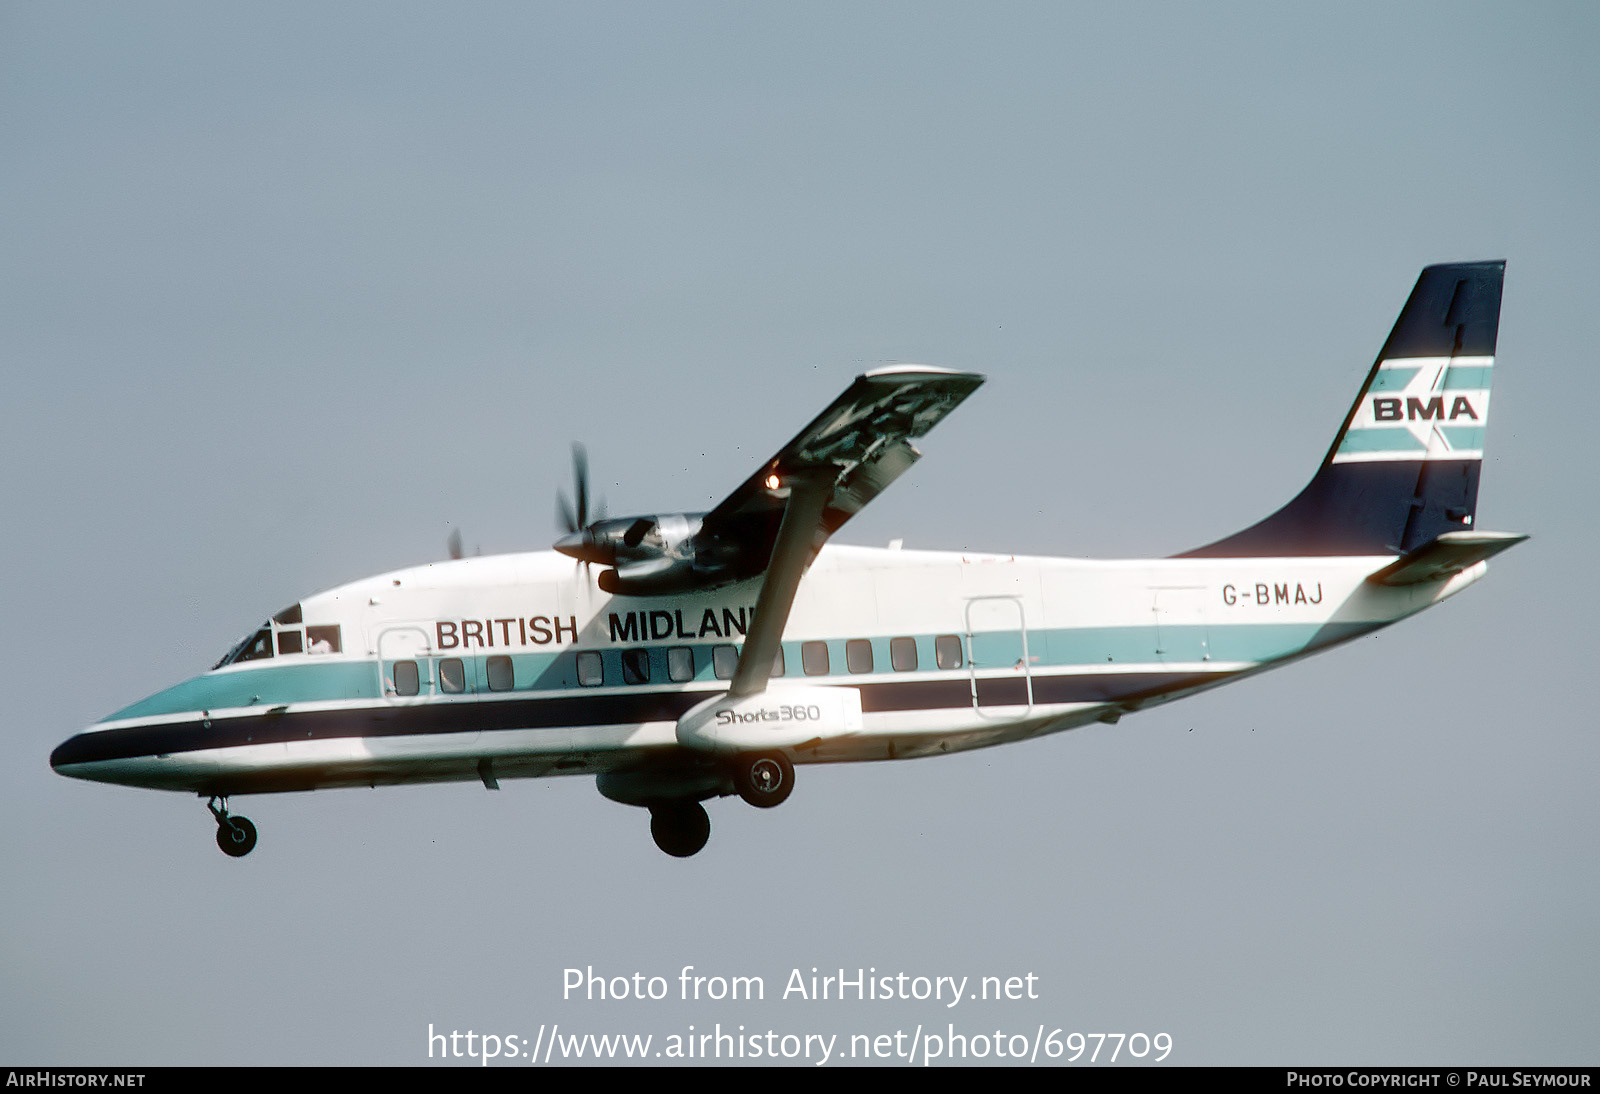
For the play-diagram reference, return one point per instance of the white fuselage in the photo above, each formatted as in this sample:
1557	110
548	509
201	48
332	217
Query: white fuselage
518	665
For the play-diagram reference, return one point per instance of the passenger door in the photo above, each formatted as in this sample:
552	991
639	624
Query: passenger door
997	647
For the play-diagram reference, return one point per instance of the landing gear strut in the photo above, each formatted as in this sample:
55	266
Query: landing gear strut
235	835
680	828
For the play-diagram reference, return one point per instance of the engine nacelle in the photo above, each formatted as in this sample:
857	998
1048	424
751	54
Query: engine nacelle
652	577
653	556
780	717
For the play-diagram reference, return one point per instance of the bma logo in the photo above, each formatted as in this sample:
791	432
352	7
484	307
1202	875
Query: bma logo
1389	410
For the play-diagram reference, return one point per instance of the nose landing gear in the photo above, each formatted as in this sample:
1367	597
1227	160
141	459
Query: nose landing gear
235	835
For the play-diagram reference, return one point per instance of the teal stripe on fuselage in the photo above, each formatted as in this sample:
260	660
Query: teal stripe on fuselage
269	685
1077	647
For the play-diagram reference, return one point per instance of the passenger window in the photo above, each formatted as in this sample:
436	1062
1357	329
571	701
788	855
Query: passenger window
452	676
777	663
680	664
635	666
406	680
947	651
322	639
501	676
724	660
858	655
903	654
290	642
591	670
814	658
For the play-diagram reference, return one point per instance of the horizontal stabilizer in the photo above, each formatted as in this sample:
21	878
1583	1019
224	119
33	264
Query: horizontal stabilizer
1445	555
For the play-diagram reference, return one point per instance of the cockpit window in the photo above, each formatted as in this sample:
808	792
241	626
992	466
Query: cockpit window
254	648
322	639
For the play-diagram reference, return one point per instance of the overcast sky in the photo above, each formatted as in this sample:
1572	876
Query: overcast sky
290	292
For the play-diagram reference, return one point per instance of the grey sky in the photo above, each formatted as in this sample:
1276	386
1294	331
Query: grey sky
289	293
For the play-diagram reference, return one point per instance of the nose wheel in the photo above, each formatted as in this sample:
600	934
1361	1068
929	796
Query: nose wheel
235	835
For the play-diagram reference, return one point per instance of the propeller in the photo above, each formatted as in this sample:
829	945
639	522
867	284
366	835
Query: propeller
575	518
453	545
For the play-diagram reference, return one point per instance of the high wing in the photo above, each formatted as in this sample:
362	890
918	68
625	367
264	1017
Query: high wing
855	448
786	511
846	456
779	517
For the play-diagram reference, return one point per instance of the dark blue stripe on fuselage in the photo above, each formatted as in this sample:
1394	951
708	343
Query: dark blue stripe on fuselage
425	719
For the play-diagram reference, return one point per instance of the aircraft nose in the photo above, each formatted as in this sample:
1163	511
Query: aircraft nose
95	744
76	749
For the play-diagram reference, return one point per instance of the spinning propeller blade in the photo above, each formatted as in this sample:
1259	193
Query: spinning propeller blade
574	519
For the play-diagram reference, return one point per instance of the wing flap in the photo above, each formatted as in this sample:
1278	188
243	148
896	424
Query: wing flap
855	448
847	456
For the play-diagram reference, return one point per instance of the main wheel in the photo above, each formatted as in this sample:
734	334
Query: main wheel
236	836
680	830
764	779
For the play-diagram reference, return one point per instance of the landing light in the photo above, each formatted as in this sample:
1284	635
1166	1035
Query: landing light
772	482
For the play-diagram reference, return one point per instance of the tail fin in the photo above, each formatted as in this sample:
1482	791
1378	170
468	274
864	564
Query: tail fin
1404	466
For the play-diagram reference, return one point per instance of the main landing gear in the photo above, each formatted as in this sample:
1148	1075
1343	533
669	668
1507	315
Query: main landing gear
680	825
764	779
235	835
680	828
